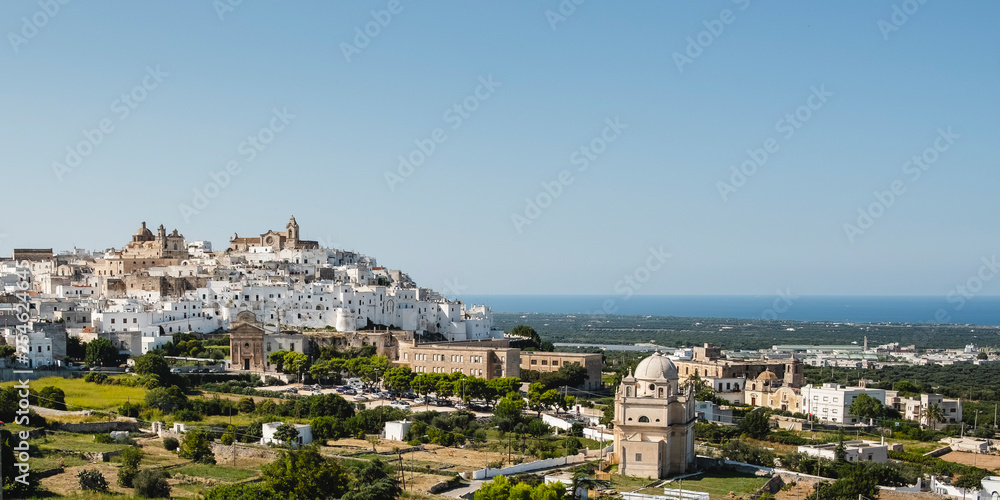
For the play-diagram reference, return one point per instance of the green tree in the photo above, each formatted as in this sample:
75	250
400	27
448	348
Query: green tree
398	378
197	446
287	434
853	481
152	484
152	363
528	333
92	479
508	412
305	475
51	397
372	481
277	358
865	406
100	352
932	413
756	424
246	405
243	491
971	480
296	362
165	399
130	457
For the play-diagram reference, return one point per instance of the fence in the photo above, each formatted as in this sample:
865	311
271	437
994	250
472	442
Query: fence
527	467
669	494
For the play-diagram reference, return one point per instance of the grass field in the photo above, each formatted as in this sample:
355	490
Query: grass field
718	484
82	395
73	442
227	474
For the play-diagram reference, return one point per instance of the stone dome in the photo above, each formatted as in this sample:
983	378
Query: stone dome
767	376
656	367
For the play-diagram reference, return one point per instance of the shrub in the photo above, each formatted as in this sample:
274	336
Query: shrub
92	479
171	443
95	377
103	438
131	457
152	484
129	409
187	415
197	446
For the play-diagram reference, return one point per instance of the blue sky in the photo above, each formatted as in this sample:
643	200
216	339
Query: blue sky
453	219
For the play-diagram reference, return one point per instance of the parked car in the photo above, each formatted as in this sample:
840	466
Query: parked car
410	395
461	406
442	402
360	398
419	401
317	392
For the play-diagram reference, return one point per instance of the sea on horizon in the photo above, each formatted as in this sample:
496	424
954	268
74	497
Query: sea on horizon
978	310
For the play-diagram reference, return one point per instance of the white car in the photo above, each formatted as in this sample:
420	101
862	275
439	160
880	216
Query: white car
419	401
360	399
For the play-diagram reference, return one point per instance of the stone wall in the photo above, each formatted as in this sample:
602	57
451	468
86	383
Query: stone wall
100	427
223	452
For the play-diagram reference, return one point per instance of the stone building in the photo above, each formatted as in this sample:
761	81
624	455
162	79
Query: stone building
143	252
729	378
487	359
250	345
654	421
768	391
553	361
289	239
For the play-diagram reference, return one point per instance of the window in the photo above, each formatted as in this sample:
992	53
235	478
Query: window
638	457
534	361
644	420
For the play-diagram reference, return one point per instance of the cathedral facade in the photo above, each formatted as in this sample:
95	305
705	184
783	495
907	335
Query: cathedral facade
654	421
289	239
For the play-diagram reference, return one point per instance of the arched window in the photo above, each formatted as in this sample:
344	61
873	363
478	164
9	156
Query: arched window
661	392
628	392
643	420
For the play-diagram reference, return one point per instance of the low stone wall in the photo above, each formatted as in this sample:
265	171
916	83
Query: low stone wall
99	427
96	457
403	450
771	486
223	452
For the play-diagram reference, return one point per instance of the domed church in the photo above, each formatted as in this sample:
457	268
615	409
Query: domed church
654	421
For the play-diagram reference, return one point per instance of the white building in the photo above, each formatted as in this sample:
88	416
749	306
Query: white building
305	434
857	451
830	403
396	431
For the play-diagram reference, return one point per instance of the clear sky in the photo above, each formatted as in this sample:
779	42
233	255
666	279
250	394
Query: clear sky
201	79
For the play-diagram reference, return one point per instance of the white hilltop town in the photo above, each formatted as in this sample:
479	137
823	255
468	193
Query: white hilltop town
159	284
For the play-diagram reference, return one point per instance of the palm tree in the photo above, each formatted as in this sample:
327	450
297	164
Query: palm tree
933	413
